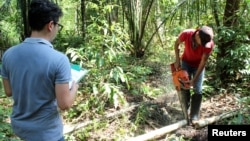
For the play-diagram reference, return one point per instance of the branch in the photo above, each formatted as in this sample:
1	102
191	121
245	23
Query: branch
71	128
159	132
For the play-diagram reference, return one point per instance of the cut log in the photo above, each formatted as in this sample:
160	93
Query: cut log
170	128
159	132
204	122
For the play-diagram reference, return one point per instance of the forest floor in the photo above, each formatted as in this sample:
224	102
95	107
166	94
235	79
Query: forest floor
162	111
156	112
214	106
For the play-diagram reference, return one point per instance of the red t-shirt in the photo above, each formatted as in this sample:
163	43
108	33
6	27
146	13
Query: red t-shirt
190	55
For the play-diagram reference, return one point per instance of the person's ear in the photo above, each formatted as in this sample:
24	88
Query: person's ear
50	25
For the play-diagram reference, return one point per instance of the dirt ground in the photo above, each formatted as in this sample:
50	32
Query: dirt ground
165	110
168	112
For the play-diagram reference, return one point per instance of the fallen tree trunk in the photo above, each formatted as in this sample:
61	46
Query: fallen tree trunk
207	121
170	128
159	132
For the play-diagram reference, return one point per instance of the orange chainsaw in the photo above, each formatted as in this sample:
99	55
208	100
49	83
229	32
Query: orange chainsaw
180	76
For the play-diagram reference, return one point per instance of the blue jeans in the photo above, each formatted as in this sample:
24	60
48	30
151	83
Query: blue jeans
191	72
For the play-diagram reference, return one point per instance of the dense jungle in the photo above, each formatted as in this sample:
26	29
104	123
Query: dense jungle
127	46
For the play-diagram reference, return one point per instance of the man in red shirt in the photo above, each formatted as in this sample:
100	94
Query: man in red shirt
198	45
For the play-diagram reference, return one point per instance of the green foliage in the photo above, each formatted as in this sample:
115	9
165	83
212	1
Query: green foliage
242	116
236	61
87	132
6	133
67	40
5	128
239	119
106	51
6	40
104	54
141	115
149	90
2	94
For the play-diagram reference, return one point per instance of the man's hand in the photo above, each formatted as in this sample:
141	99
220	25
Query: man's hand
191	83
177	53
177	65
187	84
74	87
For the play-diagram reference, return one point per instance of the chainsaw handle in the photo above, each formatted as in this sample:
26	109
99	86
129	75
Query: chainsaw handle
177	66
178	69
174	68
184	85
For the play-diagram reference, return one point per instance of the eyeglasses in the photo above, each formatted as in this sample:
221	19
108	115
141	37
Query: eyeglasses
59	26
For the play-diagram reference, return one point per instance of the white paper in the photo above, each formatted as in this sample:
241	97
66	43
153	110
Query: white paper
77	75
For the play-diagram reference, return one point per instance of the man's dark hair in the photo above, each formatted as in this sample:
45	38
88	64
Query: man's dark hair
42	12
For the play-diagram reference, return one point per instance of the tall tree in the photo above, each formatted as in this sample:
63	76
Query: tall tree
83	7
230	20
23	6
4	10
137	14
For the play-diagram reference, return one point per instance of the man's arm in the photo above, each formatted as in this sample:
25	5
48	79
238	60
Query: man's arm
65	96
177	53
7	87
200	67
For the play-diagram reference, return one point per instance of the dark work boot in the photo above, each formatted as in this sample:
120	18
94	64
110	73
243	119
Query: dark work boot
195	107
184	98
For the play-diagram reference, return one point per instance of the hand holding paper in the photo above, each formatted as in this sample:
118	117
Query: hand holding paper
77	74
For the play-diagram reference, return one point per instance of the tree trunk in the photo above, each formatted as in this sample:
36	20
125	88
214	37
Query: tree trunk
204	122
229	20
216	12
24	13
137	13
159	132
158	22
83	17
